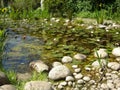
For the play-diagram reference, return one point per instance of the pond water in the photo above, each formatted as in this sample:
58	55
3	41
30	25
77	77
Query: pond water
20	50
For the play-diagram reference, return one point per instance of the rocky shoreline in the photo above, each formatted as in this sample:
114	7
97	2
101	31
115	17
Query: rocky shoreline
103	75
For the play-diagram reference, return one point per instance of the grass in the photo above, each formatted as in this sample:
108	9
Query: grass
12	76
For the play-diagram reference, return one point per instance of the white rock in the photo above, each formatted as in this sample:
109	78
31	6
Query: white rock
86	78
70	83
74	66
96	64
104	86
102	26
101	53
56	64
69	78
90	27
60	86
77	70
38	85
118	59
59	72
114	65
116	52
8	87
74	74
80	56
38	66
80	81
110	85
66	59
87	69
63	83
92	81
78	76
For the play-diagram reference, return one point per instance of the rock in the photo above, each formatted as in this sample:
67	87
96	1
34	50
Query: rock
59	72
8	87
77	70
92	82
70	83
23	76
60	87
87	69
96	64
3	79
74	66
110	85
38	85
86	78
104	86
90	27
66	59
118	59
38	66
56	64
78	76
63	83
102	26
114	65
116	52
80	56
101	53
80	81
69	78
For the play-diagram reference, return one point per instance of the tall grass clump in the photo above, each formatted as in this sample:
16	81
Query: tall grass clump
100	16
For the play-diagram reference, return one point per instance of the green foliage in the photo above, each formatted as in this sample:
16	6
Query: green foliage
100	16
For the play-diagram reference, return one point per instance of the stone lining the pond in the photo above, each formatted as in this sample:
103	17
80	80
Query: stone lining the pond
3	79
38	85
8	87
38	66
59	72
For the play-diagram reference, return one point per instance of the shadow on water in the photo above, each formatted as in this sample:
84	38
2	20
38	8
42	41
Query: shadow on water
20	50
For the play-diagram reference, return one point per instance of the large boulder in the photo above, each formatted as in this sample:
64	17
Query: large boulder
38	85
38	66
3	79
59	72
8	87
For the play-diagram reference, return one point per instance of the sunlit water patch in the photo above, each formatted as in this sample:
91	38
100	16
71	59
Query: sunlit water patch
20	50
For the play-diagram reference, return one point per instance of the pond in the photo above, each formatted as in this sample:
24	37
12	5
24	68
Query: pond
51	40
20	50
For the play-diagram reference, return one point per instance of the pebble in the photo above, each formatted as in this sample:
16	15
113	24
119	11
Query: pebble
63	83
56	64
110	85
78	76
69	83
74	66
80	81
69	78
114	65
66	59
77	70
86	78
